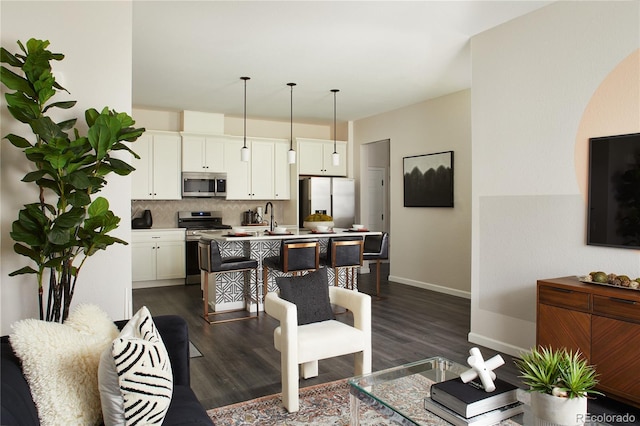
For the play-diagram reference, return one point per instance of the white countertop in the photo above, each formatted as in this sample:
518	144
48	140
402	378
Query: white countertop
225	235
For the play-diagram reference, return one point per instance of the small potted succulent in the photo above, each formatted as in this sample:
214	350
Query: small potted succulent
560	381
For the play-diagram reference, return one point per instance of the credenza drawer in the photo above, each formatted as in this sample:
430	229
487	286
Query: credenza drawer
559	296
617	307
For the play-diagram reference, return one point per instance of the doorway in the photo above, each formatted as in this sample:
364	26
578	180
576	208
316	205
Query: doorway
376	187
375	163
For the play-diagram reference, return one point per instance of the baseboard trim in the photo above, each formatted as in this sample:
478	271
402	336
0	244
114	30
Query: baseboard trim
496	345
157	283
433	287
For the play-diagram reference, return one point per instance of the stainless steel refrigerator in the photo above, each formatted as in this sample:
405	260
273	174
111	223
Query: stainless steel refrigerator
332	196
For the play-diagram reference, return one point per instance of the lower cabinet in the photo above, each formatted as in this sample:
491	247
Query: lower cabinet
158	255
602	322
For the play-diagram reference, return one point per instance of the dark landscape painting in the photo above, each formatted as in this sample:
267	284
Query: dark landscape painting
428	180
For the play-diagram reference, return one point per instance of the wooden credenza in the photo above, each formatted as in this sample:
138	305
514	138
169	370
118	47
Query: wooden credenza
602	322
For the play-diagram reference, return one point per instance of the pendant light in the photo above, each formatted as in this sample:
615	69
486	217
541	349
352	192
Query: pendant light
335	157
291	154
244	152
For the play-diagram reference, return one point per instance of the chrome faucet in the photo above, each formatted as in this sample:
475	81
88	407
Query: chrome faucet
266	210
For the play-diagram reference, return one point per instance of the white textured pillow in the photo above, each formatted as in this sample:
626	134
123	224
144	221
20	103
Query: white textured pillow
135	377
60	363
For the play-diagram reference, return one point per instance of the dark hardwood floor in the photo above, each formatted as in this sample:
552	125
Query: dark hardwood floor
239	361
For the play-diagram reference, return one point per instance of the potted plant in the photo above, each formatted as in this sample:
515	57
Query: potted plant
560	381
65	226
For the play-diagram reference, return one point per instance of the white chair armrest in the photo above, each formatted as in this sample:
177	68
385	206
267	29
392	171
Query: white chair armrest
285	312
358	303
279	308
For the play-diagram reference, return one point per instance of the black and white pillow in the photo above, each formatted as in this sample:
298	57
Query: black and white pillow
135	377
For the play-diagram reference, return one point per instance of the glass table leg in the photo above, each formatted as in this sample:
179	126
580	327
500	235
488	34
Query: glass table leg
354	405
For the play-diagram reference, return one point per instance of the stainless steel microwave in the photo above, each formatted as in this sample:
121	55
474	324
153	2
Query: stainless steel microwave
204	185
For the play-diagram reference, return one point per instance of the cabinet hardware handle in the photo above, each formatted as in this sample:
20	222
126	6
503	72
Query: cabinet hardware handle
561	290
615	299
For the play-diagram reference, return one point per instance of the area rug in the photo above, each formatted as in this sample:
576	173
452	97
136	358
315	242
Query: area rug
321	405
328	405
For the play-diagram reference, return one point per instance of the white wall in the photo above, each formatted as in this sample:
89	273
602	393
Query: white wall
534	80
430	247
96	40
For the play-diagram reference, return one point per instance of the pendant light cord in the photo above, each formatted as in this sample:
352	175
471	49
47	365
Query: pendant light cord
334	120
291	141
245	109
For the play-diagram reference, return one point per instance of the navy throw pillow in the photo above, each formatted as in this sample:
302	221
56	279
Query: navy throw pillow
310	294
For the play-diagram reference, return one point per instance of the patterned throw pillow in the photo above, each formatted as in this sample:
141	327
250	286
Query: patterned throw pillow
135	378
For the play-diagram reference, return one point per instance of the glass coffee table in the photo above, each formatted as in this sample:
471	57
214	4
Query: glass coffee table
398	393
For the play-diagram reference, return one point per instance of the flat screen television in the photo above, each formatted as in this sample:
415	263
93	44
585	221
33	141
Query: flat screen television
614	191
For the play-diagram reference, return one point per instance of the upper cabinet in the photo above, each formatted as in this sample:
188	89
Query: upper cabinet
157	174
315	157
265	177
202	153
281	172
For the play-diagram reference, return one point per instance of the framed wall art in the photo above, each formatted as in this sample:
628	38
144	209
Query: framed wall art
428	180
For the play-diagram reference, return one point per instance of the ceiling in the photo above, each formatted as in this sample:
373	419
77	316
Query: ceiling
381	55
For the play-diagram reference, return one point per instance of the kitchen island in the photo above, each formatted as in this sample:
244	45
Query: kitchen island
234	290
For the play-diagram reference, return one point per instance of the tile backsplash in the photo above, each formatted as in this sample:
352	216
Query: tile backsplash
165	212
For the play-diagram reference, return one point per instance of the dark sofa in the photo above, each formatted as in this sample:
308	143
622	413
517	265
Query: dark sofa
19	409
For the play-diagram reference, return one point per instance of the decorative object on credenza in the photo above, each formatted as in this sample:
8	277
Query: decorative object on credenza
428	180
613	280
64	225
468	398
560	381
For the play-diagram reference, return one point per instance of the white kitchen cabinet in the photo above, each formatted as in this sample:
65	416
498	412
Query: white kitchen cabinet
158	255
237	171
281	172
157	174
256	179
202	153
315	157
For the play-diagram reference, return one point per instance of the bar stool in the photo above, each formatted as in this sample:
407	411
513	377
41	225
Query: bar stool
212	262
344	253
296	256
376	247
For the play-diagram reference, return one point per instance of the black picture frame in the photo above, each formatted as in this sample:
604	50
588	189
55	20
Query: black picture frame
428	180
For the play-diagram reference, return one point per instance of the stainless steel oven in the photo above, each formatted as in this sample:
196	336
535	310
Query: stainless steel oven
196	223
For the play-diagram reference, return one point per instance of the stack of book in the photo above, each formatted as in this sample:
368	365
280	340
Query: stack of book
467	404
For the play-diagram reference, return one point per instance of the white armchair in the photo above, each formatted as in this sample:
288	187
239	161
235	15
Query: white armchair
306	344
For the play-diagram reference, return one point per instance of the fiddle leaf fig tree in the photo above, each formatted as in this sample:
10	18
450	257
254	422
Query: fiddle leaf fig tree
65	226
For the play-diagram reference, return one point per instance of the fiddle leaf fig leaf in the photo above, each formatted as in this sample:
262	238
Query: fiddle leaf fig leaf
67	124
98	207
59	236
27	251
100	138
18	141
34	176
70	219
14	82
62	105
7	57
79	180
23	270
47	129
